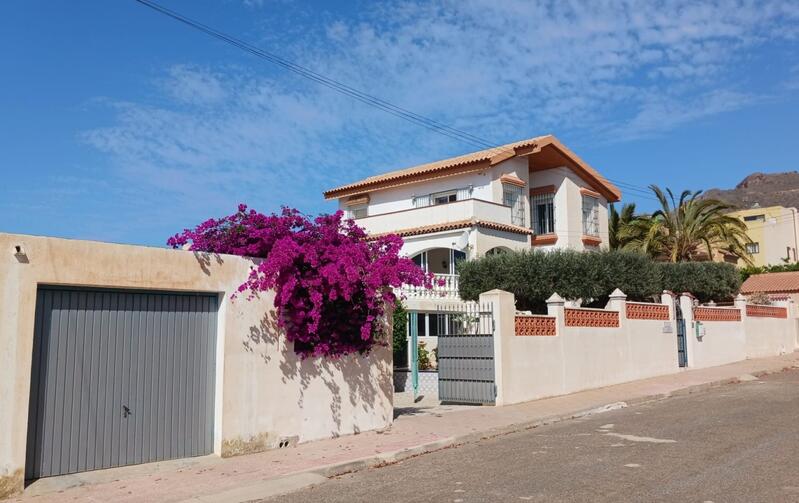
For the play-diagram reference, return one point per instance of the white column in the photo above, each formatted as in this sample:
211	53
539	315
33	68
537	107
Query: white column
618	302
740	303
556	307
667	298
503	307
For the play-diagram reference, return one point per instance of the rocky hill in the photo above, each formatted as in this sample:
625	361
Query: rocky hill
764	189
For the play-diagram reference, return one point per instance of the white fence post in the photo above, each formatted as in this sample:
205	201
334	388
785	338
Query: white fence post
667	298
740	303
618	302
556	307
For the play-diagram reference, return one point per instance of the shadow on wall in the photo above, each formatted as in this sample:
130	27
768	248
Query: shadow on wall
204	260
363	389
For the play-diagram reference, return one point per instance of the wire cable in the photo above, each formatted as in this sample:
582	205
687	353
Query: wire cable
363	97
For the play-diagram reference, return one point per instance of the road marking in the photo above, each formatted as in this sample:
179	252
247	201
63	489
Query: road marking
606	408
632	465
607	426
635	438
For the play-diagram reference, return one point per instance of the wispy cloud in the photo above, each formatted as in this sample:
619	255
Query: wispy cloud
596	71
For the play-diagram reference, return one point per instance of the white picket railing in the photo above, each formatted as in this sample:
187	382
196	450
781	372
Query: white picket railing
447	289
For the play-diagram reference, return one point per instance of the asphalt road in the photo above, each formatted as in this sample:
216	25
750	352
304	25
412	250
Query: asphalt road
729	444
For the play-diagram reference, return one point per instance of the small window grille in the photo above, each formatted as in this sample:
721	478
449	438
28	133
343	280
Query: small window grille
512	196
590	216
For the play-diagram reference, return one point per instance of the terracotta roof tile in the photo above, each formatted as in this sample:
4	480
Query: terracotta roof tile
474	160
777	282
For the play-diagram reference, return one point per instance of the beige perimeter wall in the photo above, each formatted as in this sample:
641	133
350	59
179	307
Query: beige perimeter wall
528	367
578	358
264	392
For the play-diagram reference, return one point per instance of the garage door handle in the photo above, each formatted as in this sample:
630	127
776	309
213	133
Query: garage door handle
126	411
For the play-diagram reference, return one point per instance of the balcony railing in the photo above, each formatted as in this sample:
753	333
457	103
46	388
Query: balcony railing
447	289
437	214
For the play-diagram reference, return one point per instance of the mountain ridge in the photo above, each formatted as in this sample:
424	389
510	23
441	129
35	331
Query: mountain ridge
761	189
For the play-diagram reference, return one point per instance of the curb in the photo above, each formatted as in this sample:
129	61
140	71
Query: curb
392	457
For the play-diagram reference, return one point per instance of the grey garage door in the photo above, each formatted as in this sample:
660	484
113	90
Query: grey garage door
119	378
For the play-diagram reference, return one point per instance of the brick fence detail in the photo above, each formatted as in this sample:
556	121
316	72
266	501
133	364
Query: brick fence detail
716	314
536	325
639	311
595	318
766	311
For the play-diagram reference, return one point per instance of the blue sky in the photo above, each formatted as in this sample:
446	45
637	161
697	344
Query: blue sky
119	124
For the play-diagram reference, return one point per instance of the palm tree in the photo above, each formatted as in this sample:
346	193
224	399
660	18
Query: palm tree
688	228
618	223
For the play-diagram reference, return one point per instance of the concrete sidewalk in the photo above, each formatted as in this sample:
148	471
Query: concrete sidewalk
245	478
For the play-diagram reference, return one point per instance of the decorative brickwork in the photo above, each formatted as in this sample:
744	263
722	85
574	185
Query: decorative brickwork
640	311
536	325
716	314
766	311
596	318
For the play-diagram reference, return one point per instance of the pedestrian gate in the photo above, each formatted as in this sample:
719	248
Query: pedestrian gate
466	354
682	355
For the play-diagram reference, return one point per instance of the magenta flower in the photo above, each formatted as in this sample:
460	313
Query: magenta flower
331	282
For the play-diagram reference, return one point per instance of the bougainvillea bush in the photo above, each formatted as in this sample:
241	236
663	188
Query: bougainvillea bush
331	283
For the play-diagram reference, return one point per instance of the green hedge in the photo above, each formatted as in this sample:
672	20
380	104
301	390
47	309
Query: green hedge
399	342
706	280
532	276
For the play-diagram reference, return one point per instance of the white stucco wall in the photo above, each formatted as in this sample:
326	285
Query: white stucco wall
264	392
770	336
401	198
723	342
578	358
486	239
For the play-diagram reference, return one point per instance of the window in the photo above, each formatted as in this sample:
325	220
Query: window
439	260
752	248
357	211
543	213
444	197
433	324
512	196
590	216
755	218
421	324
421	201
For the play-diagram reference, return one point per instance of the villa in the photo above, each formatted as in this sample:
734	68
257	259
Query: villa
532	193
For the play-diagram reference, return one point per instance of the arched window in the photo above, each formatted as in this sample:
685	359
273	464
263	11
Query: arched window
439	260
497	250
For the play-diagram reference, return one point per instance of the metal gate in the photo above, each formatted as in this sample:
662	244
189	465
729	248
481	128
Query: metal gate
466	354
682	355
119	378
